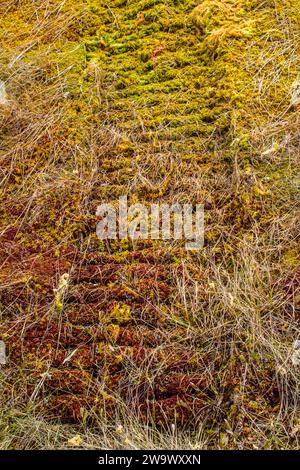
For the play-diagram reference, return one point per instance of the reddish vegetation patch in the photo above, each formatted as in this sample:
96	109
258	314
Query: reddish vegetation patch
154	100
179	409
112	333
74	408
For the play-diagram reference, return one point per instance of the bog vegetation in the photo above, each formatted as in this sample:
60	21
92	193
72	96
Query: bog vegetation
142	344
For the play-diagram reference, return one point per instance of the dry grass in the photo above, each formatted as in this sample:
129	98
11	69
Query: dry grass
81	124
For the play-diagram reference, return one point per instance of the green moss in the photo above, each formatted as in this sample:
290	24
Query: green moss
147	97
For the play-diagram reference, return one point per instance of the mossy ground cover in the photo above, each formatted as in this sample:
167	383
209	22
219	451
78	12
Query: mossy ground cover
176	100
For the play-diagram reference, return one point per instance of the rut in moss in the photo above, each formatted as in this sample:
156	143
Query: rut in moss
157	102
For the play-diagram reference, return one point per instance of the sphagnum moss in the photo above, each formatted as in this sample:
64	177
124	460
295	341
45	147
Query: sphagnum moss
172	100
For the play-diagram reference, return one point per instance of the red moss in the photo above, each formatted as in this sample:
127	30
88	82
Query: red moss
70	381
130	336
81	357
86	293
74	408
96	274
145	270
179	410
84	314
44	335
179	383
